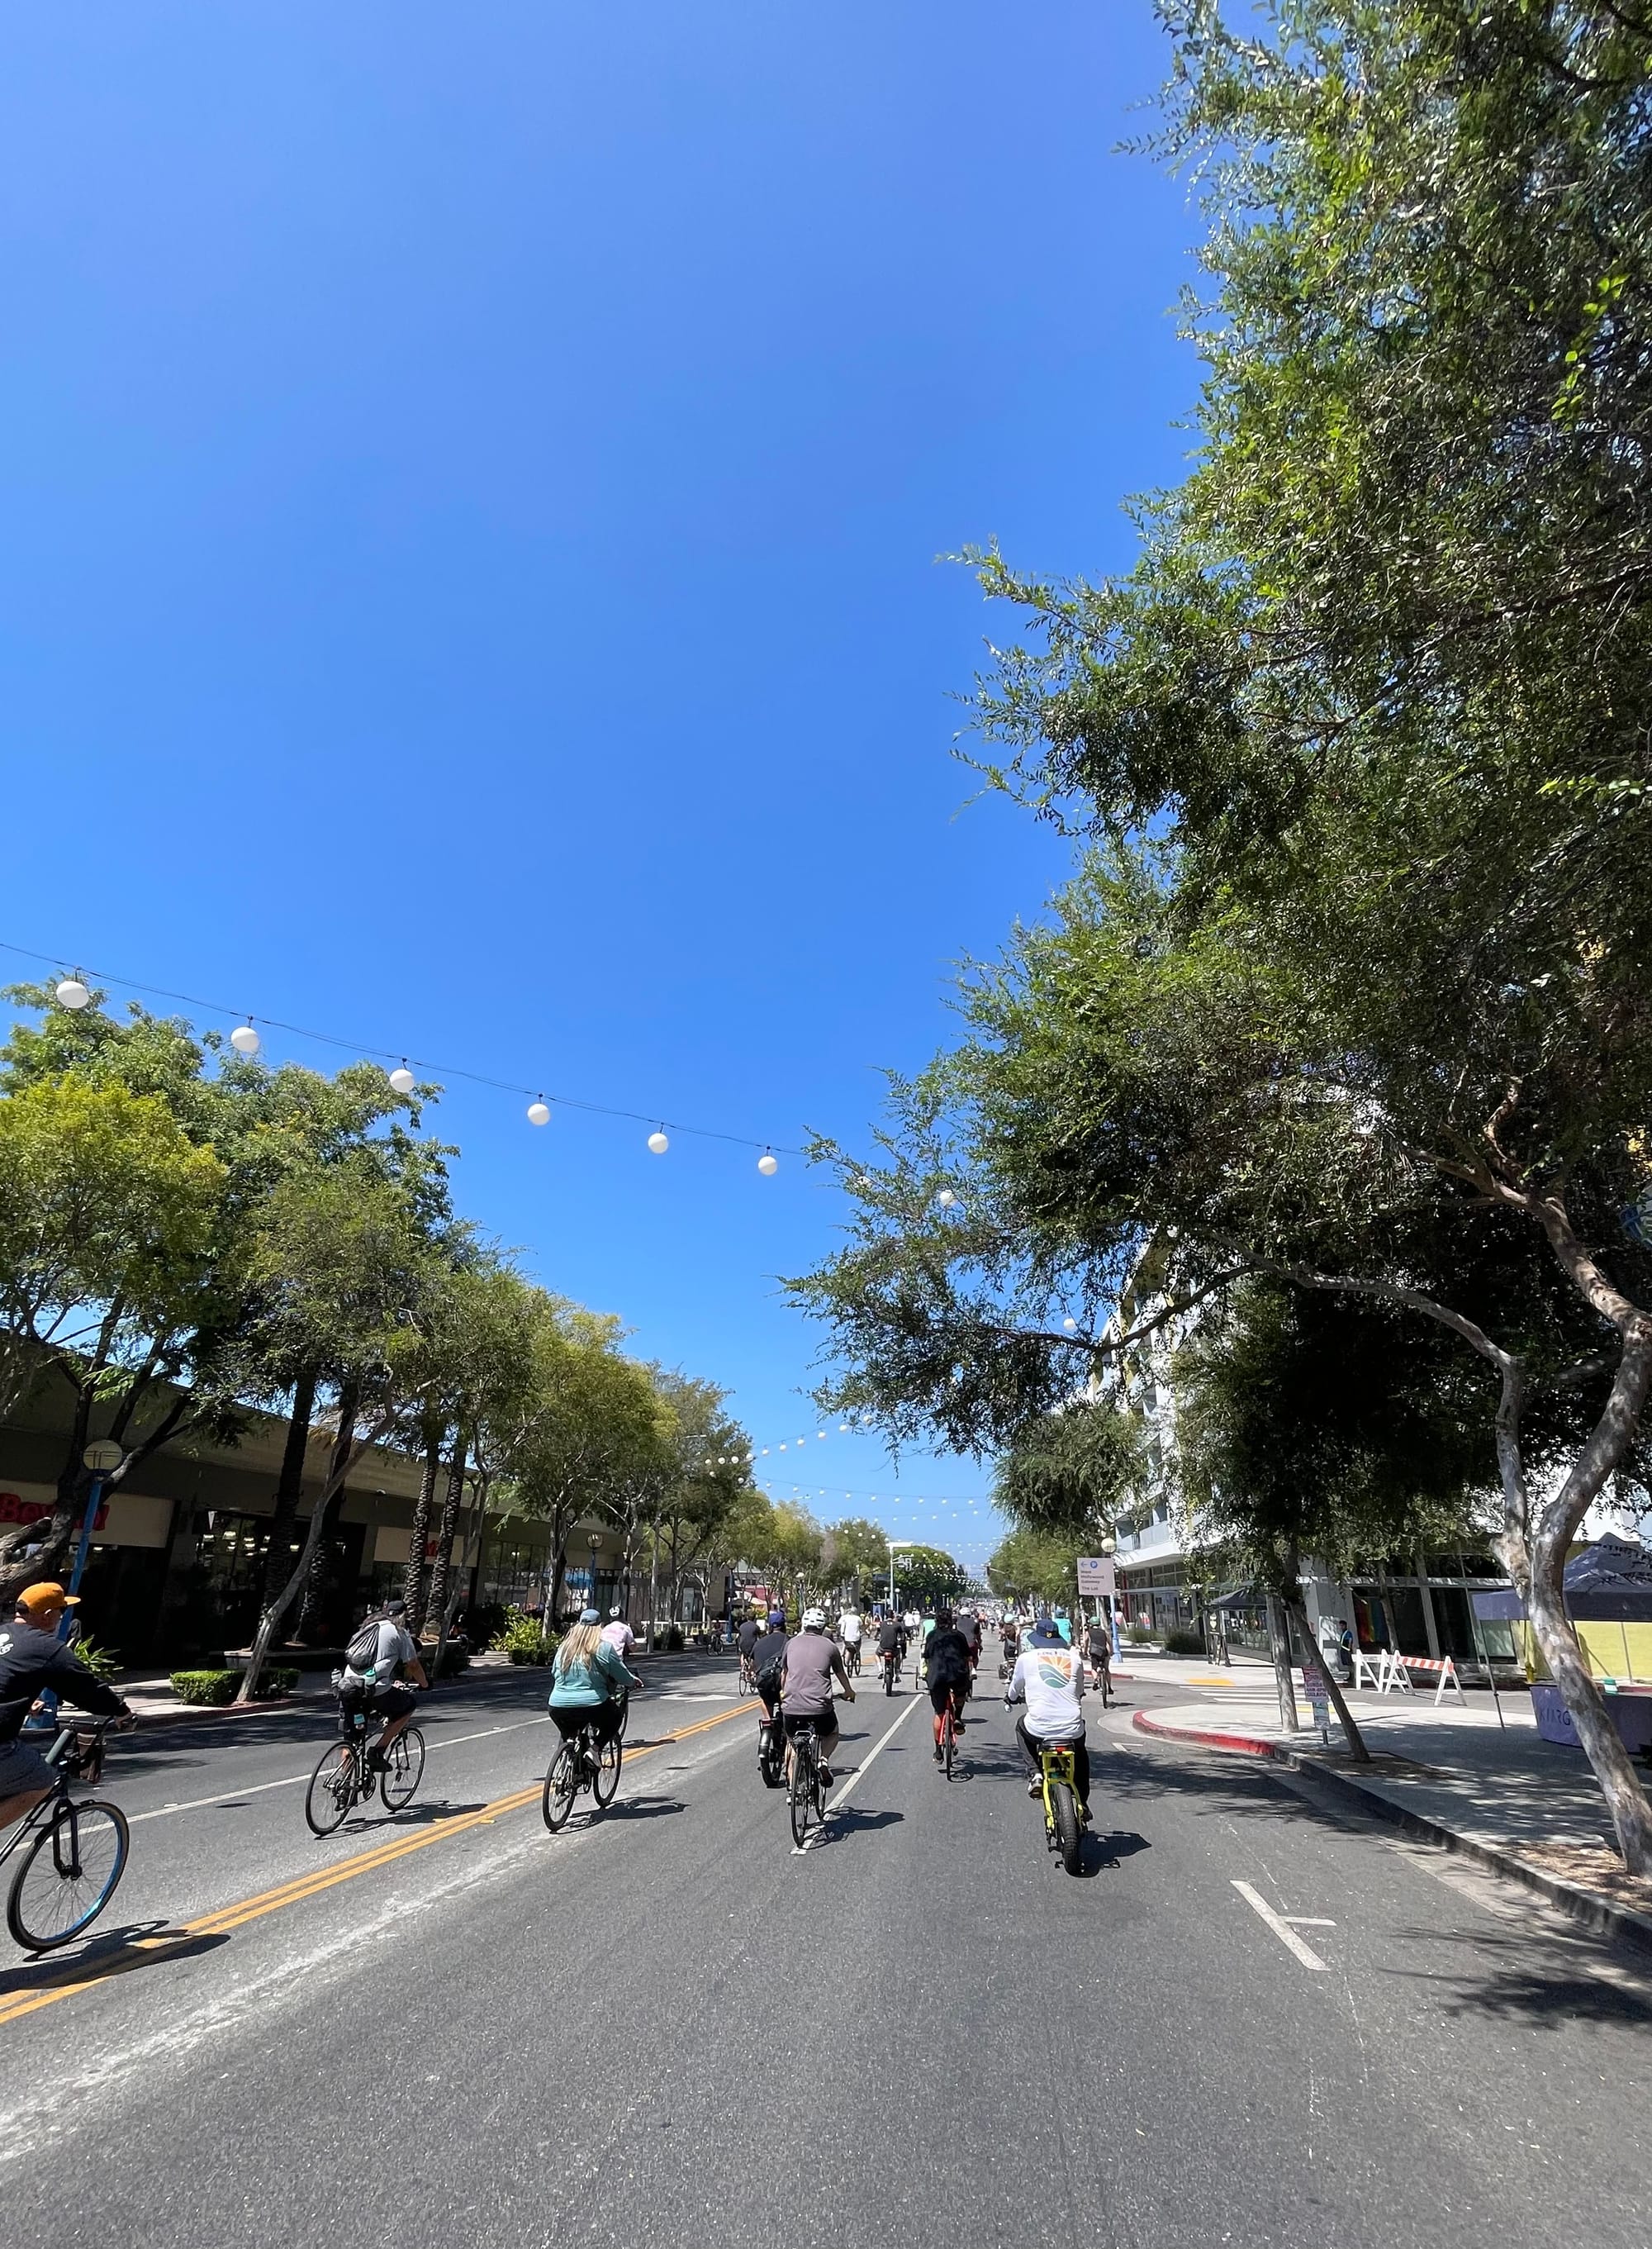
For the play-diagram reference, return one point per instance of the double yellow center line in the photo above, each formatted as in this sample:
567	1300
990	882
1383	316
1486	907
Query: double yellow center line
142	1950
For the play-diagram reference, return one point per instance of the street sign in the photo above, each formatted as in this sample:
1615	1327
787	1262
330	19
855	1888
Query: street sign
1096	1576
1318	1695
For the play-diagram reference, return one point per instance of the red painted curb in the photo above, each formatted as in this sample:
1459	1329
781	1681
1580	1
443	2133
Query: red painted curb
1247	1744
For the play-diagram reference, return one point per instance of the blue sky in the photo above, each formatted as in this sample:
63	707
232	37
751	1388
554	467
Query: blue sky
473	479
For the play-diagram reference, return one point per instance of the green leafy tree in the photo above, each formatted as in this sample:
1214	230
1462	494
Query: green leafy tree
1370	1009
858	1551
1030	1566
108	1220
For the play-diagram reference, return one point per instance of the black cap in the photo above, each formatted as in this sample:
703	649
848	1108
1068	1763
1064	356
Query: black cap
397	1607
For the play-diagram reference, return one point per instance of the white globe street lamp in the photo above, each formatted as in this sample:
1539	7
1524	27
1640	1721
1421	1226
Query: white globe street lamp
539	1112
658	1142
244	1039
767	1164
72	993
402	1080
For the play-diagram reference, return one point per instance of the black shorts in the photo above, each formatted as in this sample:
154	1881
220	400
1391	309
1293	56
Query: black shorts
956	1691
824	1721
603	1718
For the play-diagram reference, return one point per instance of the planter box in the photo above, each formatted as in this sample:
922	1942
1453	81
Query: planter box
1631	1715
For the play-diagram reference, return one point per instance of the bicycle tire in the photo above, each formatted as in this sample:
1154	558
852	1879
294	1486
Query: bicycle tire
1069	1830
948	1739
48	1905
561	1787
802	1793
606	1778
330	1797
403	1769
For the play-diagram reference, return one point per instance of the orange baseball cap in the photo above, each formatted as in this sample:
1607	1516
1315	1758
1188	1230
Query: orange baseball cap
40	1600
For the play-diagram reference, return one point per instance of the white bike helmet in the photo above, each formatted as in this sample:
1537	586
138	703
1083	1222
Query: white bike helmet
814	1619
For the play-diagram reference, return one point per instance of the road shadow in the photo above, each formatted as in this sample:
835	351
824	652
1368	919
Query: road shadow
646	1807
1531	1978
386	1823
844	1827
117	1952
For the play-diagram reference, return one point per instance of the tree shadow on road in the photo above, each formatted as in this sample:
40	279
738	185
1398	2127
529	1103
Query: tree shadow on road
646	1807
844	1827
1529	1978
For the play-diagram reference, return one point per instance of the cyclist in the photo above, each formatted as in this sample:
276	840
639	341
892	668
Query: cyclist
1100	1641
751	1633
767	1658
1049	1678
370	1676
589	1682
812	1663
892	1641
618	1633
947	1671
849	1639
32	1658
968	1621
1010	1635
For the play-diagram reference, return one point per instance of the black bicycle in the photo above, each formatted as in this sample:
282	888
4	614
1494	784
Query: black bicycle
891	1670
582	1762
804	1791
851	1658
345	1775
74	1851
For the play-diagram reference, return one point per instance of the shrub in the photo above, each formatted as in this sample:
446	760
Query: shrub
102	1662
215	1688
1182	1639
675	1641
523	1639
453	1660
1139	1636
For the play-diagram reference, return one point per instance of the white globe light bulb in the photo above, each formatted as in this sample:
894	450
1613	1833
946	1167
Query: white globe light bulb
658	1142
946	1197
244	1039
539	1112
402	1080
1071	1326
73	994
767	1166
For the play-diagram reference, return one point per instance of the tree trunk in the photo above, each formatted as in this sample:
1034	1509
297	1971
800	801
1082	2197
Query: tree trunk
1614	1769
452	1498
415	1579
328	1509
1280	1648
344	1455
1355	1738
451	1600
653	1581
1430	1626
289	1487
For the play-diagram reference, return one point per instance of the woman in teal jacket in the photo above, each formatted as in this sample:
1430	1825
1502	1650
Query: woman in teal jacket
589	1682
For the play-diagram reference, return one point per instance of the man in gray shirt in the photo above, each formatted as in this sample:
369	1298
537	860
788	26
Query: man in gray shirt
812	1663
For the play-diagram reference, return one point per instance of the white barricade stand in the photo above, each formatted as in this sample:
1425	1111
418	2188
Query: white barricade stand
1366	1673
1447	1672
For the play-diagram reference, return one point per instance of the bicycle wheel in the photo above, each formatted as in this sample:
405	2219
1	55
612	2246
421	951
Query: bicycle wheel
68	1874
403	1769
1069	1833
561	1786
606	1778
948	1739
332	1791
803	1788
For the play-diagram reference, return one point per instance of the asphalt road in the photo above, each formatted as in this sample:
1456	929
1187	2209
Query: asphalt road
665	2025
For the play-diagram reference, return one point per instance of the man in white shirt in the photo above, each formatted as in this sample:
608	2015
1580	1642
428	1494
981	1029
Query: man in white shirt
377	1679
1049	1678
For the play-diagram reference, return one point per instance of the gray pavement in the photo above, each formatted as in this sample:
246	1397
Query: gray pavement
666	2025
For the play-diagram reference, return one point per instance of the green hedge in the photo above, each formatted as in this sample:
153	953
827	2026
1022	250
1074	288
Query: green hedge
522	1640
217	1688
1182	1639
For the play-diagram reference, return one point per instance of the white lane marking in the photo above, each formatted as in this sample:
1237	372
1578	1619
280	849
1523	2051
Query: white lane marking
855	1777
1282	1929
295	1779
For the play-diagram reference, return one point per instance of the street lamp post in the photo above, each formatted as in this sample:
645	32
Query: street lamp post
893	1543
103	1457
593	1540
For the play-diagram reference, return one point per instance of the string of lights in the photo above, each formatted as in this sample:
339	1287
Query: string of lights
73	993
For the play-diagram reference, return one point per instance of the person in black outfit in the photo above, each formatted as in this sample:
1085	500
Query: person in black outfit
33	1659
948	1666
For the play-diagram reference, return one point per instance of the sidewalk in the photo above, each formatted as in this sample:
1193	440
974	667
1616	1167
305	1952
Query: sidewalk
1501	1794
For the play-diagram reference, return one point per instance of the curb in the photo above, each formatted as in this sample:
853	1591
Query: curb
1603	1916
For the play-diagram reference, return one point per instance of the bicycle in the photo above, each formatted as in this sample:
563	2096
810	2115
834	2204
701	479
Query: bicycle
71	1868
804	1793
771	1748
851	1658
1063	1821
948	1735
748	1676
891	1671
580	1762
346	1777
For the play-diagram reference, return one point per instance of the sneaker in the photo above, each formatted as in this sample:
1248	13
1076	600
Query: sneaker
1035	1788
826	1776
937	1753
376	1760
